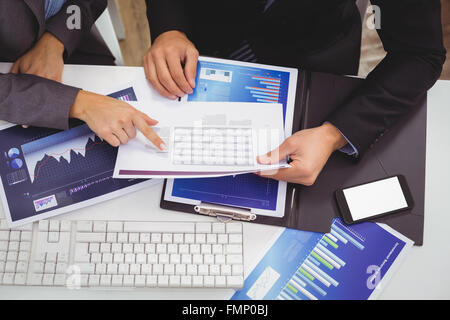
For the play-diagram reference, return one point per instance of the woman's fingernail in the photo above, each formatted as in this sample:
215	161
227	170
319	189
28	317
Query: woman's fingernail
163	146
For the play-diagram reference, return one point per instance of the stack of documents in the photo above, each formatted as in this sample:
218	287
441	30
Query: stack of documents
204	139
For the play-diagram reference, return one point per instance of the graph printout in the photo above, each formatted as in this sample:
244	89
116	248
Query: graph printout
351	262
222	80
45	172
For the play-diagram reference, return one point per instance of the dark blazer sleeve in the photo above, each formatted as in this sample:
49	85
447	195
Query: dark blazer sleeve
411	32
57	25
166	15
31	100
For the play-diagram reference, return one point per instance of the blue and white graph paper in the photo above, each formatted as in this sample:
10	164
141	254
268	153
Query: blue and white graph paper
47	172
221	80
349	263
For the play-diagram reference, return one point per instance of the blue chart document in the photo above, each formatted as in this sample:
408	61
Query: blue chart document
45	172
240	82
350	262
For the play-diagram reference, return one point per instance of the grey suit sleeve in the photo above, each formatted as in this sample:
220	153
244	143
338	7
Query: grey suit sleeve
31	100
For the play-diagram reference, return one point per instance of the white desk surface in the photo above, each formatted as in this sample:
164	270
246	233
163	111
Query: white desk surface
423	275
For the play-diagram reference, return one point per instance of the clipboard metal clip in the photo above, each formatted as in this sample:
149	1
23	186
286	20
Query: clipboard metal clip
225	214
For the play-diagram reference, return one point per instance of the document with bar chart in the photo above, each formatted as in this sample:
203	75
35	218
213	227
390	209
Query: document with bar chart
46	172
235	81
349	263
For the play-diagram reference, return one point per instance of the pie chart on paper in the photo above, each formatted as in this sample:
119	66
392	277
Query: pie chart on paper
13	153
17	163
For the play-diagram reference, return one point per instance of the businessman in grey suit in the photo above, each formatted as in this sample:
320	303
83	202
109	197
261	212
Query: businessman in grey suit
39	36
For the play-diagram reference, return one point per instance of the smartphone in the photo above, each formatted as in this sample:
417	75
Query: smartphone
374	199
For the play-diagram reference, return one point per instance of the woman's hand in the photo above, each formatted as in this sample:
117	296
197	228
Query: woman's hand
113	120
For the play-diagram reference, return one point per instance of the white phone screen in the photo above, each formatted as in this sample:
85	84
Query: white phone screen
375	198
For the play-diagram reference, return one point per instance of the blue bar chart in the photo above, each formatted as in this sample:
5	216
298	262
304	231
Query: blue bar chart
312	278
267	90
339	264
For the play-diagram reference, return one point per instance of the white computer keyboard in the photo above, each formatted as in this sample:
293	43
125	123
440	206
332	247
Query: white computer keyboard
213	146
122	254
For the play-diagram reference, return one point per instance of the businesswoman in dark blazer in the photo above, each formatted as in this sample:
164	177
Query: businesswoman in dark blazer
317	35
39	36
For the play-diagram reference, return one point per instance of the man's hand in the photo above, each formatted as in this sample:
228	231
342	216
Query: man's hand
45	59
309	150
113	120
163	64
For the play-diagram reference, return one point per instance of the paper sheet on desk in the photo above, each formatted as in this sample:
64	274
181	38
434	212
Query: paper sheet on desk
261	121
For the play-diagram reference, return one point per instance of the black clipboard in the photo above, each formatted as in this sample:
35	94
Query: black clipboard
224	212
313	208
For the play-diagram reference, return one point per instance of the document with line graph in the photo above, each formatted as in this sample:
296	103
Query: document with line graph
46	172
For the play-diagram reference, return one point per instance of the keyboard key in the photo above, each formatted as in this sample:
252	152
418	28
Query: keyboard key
235	238
139	248
151	281
200	238
144	238
234	227
91	237
141	258
22	267
100	268
192	269
53	225
197	281
189	238
94	280
163	281
25	246
211	238
186	281
234	259
237	270
59	280
140	280
124	268
82	226
214	270
150	248
235	281
222	238
146	269
167	238
114	226
14	235
112	268
208	281
117	280
220	281
10	266
43	225
105	280
133	237
174	281
233	249
47	279
111	237
203	227
36	279
26	236
99	226
203	270
65	226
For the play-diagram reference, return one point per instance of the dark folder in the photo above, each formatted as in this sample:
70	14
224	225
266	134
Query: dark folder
400	151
